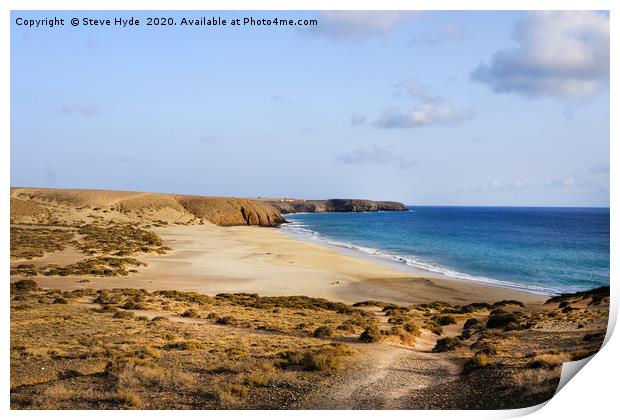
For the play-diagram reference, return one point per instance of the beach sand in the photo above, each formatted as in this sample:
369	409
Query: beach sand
211	259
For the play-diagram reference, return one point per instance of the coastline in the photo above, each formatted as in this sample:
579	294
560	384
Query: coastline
211	259
405	264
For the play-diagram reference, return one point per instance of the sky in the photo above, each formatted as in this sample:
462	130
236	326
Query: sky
426	108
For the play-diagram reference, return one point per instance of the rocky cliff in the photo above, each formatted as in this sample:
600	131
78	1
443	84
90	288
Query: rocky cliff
232	211
70	206
334	205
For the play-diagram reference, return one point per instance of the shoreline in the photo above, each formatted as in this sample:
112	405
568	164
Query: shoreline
401	264
211	259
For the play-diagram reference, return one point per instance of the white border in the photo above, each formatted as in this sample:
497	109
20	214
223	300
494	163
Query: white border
593	394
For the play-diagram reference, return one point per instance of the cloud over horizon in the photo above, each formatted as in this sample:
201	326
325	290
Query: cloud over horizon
559	183
497	185
566	182
375	155
558	53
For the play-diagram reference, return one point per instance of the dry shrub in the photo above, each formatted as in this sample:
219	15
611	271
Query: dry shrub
445	320
501	319
185	345
128	399
226	320
230	394
33	243
412	328
548	361
345	326
52	397
370	303
434	327
323	358
405	337
323	332
446	344
190	313
27	285
146	352
470	323
479	360
123	314
370	335
258	378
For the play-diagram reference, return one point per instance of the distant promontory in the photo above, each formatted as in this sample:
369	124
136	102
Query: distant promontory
289	205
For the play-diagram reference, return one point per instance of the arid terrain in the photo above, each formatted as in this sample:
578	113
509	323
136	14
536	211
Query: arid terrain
141	300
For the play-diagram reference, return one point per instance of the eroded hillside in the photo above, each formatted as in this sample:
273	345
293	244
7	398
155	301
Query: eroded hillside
69	206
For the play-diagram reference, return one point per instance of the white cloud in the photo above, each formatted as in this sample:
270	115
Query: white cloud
423	115
412	88
375	155
429	109
558	53
567	182
497	185
360	24
448	33
560	183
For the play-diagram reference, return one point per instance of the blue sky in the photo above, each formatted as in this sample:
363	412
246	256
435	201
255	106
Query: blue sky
447	108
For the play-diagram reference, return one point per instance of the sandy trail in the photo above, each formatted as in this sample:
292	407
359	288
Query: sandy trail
384	377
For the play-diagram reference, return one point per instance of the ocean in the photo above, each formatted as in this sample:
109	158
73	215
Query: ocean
541	250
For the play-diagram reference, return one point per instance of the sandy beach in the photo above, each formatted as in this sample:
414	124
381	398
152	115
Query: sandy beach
115	299
212	259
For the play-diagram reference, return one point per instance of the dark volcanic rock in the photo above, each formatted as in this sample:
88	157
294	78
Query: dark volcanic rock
335	205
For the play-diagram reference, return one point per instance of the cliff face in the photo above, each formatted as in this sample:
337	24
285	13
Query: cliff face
68	206
232	211
334	205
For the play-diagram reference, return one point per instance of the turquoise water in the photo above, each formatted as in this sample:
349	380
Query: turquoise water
545	250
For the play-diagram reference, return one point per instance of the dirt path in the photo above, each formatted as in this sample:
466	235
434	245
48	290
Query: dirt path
384	377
